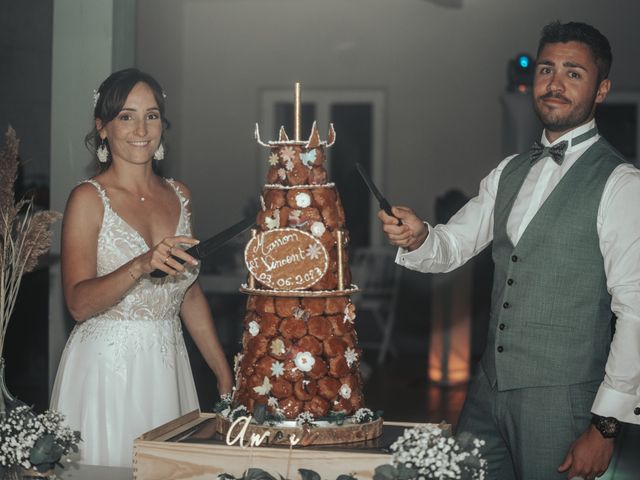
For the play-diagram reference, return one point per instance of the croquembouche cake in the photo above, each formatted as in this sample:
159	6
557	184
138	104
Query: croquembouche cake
299	362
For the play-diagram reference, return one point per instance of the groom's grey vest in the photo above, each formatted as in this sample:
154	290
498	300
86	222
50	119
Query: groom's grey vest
550	310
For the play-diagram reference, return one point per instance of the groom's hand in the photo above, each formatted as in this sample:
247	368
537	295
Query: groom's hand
588	456
410	235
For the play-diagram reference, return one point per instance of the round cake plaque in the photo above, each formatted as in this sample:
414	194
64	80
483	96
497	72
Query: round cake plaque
286	259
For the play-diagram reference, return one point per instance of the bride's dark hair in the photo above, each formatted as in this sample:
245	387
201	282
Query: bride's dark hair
112	95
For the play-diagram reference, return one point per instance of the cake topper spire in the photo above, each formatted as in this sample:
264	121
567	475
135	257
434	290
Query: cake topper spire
283	138
296	103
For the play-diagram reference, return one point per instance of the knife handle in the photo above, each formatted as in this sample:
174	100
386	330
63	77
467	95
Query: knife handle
386	206
157	273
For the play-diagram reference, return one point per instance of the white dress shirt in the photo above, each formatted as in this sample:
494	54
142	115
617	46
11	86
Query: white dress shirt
618	224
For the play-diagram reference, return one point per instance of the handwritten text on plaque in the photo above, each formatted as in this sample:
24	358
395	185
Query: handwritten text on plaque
286	259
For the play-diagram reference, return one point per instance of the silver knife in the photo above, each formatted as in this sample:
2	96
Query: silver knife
383	202
207	247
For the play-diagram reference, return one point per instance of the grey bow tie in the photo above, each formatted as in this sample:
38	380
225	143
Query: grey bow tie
556	152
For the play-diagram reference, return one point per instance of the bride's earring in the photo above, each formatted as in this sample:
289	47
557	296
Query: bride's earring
102	152
159	155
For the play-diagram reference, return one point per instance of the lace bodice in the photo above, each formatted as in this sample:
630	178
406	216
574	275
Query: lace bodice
150	298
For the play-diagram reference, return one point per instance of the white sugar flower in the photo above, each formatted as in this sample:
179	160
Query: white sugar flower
305	418
304	361
282	173
345	391
313	251
303	200
263	389
318	229
254	328
277	369
349	313
278	347
273	222
288	165
351	356
272	402
273	159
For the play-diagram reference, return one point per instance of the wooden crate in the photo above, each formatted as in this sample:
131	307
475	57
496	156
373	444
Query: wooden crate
158	456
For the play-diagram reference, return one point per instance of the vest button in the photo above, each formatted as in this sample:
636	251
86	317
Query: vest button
636	410
501	327
514	258
500	349
510	281
505	305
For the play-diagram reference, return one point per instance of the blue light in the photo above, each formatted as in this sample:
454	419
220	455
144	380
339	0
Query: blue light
523	60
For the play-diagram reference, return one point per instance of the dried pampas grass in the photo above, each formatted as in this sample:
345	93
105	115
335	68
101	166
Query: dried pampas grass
25	234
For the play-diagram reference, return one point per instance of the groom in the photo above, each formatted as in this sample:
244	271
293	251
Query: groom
553	386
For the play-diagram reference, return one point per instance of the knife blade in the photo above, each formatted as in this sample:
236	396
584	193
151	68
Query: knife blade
383	202
208	246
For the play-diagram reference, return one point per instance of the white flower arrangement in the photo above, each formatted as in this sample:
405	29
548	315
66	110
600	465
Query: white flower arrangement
430	452
33	441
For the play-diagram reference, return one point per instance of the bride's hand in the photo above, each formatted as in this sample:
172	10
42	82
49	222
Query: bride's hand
161	257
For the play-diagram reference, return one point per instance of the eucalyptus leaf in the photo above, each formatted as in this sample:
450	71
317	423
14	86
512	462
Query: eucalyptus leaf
385	472
45	451
308	474
257	474
346	477
405	473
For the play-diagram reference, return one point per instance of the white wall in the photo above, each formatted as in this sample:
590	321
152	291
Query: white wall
443	70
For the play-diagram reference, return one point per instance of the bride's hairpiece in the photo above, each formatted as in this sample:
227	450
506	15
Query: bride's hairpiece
96	96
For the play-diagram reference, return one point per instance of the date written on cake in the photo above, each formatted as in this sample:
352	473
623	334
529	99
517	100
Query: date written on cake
286	259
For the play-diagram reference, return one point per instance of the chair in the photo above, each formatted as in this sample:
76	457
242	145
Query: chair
375	272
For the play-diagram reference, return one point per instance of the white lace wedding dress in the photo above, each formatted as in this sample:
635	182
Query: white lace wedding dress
126	370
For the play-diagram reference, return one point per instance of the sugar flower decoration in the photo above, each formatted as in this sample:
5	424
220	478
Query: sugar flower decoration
301	314
236	361
349	313
273	222
272	402
308	158
277	369
303	200
351	356
318	229
345	391
254	328
305	418
304	361
313	251
277	347
273	159
288	165
294	218
288	153
263	389
282	173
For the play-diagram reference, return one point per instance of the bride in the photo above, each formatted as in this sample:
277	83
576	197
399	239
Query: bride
125	368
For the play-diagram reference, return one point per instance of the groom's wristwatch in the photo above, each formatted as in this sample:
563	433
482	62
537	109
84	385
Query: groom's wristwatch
609	427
